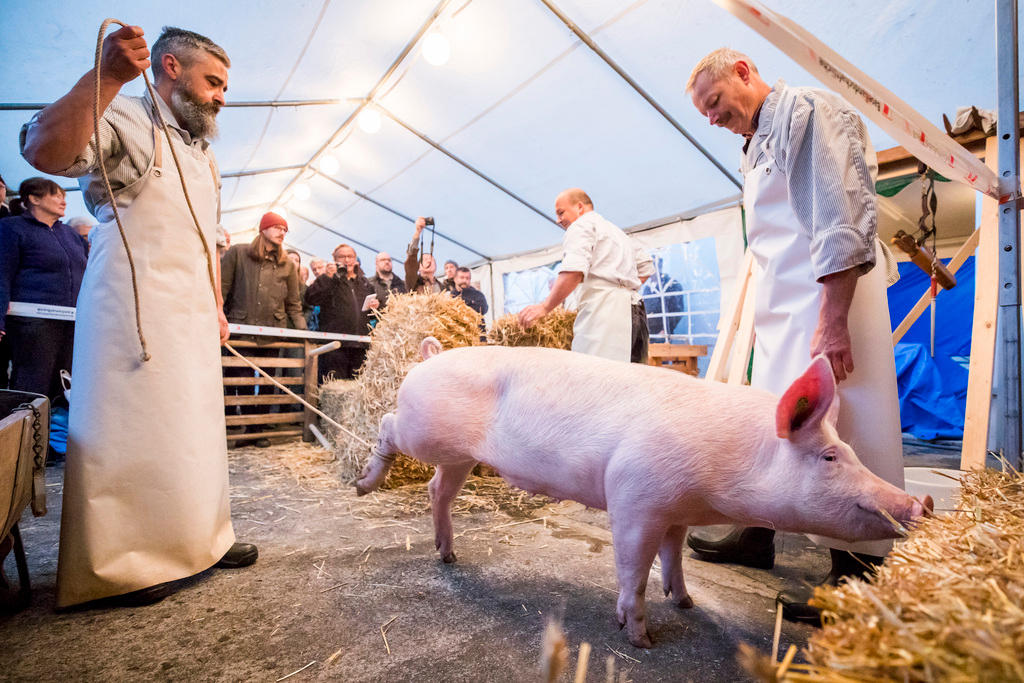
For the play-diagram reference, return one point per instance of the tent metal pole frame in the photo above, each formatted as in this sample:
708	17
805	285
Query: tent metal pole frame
33	106
469	167
589	42
342	235
230	174
1008	439
422	31
397	213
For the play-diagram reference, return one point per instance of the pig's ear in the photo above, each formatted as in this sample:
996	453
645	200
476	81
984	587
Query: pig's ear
807	401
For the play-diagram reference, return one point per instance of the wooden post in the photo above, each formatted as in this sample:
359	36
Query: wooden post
983	333
310	394
730	323
744	341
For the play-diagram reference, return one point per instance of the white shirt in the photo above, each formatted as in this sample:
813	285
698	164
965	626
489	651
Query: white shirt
597	248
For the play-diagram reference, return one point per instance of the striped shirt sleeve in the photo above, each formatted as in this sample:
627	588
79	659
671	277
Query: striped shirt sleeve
829	165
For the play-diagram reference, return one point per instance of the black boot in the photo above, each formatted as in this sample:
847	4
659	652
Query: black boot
845	565
751	546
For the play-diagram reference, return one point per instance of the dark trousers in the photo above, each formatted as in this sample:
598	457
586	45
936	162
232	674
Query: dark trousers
641	335
40	349
344	363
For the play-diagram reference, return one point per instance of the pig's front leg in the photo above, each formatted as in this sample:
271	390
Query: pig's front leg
636	542
381	459
671	556
444	486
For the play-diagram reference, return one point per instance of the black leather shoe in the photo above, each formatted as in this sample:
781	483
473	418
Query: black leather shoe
795	608
750	546
262	443
141	597
238	555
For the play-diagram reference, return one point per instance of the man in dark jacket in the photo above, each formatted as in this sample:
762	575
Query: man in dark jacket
385	281
461	289
344	309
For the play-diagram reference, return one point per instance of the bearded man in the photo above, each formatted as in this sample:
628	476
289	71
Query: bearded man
146	487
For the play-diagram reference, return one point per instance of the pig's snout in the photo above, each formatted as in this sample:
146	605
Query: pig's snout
922	508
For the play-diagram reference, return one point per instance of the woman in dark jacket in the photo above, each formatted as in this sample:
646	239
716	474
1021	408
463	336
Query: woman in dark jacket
41	262
341	298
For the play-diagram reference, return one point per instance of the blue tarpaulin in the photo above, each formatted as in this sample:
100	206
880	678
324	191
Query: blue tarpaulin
933	391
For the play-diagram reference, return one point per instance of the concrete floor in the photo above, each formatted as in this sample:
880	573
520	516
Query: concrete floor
334	569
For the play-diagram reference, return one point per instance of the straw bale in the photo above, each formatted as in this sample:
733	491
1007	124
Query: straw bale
553	331
947	605
394	350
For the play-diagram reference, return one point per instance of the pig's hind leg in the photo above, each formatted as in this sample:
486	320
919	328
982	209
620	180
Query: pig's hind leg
444	486
381	459
671	556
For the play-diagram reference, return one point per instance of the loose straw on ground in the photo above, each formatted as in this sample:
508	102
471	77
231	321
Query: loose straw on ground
945	605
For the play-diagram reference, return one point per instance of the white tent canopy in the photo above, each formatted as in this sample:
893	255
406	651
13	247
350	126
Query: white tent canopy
522	100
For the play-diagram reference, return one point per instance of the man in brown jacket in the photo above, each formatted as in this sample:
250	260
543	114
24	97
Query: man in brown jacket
261	287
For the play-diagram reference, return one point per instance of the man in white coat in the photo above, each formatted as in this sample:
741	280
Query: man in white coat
809	193
599	258
146	485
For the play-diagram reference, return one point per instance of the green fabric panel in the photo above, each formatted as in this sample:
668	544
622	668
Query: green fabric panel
892	186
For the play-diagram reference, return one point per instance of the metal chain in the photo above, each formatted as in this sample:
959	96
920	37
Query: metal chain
37	435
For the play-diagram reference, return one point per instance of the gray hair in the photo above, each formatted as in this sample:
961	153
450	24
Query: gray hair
81	220
718	64
183	45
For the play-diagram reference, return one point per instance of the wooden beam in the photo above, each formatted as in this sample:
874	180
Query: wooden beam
983	333
263	362
264	435
730	323
744	340
260	400
965	250
250	381
269	418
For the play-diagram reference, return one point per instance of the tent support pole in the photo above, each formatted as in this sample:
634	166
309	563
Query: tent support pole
589	42
438	9
465	164
375	250
32	106
1008	438
399	213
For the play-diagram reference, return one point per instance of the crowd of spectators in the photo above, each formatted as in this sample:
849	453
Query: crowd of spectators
43	260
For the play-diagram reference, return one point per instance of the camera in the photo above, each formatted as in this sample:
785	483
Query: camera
429	220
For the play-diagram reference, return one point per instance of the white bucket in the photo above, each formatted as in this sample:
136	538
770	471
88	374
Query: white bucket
941	484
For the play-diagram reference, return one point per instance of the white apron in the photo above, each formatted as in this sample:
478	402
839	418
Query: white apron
786	315
604	320
146	479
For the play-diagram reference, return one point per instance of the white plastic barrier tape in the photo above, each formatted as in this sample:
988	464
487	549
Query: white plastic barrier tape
26	310
920	137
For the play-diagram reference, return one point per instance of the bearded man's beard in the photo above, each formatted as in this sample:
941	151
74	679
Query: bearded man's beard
198	118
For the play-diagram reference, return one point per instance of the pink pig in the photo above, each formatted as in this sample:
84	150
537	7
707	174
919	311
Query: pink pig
657	449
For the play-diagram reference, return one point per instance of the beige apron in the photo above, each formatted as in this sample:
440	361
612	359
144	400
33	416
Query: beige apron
786	315
146	480
603	324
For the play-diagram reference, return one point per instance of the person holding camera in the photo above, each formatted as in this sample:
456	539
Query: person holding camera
345	300
422	280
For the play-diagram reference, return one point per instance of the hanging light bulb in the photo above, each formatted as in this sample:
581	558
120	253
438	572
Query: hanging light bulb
436	49
369	120
328	164
302	192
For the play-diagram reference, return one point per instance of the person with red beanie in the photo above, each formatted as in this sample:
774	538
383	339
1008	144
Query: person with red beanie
260	285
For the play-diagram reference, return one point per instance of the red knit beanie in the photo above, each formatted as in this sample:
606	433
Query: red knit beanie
270	219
